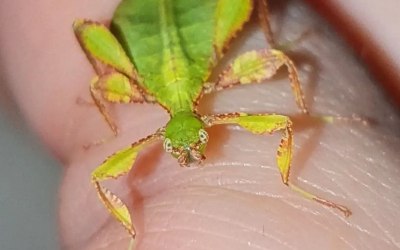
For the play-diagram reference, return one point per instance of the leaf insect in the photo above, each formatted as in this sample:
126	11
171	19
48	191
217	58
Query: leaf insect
162	52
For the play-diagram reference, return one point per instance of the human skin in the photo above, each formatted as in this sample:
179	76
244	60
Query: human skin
236	200
366	25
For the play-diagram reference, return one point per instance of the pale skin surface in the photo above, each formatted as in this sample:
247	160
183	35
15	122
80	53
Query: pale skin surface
237	200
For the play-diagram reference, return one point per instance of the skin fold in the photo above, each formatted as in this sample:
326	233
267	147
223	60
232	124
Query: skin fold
236	199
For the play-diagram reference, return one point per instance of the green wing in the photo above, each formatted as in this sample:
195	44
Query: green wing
173	43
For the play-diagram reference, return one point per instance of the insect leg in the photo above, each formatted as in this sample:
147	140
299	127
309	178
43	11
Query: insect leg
115	88
263	16
116	79
264	19
270	123
114	166
258	66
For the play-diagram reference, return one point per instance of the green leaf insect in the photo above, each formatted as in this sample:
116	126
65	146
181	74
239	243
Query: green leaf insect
163	51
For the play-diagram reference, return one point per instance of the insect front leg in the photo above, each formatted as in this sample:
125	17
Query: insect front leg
115	88
258	66
270	123
114	166
116	79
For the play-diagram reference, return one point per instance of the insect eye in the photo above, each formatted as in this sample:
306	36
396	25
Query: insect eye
203	136
167	145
